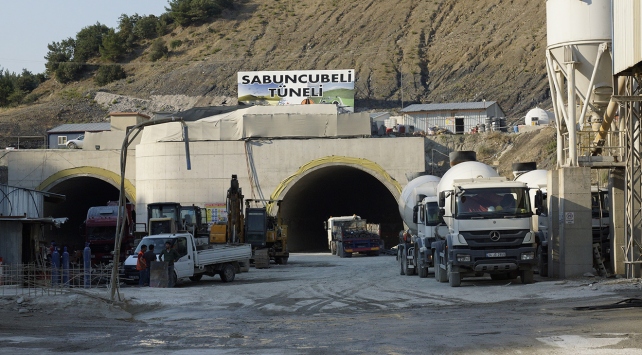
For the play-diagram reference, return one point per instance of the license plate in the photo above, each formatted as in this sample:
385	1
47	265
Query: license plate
495	255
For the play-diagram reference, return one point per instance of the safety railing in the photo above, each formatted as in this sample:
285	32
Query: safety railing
613	145
35	280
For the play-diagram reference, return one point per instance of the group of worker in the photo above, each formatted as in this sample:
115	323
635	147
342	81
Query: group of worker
146	257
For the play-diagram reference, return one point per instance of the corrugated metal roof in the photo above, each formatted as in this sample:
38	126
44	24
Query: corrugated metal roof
81	127
449	106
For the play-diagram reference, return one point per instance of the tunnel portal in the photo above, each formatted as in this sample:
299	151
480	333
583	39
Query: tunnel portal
81	193
338	190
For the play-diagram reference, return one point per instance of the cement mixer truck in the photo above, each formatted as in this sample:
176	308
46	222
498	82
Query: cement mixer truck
489	226
537	180
420	213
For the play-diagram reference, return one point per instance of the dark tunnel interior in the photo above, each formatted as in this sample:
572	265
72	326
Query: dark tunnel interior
326	192
332	192
81	193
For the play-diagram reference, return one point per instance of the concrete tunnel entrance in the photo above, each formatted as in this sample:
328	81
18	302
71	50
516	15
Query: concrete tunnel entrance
337	191
82	192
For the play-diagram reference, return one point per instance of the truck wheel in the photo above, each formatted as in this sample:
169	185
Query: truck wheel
542	261
196	278
454	278
440	274
423	272
333	248
406	270
227	273
527	276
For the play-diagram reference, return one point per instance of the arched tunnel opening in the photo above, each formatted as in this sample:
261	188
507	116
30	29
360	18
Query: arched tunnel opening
81	193
332	192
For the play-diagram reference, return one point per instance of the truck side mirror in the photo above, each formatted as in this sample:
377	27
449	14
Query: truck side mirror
538	199
442	199
442	212
415	210
325	225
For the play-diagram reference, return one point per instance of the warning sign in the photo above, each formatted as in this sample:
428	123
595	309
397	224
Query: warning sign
569	217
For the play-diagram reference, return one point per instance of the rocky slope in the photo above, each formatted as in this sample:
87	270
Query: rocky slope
408	51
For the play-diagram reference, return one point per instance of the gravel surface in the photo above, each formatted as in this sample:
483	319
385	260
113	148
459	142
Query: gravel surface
322	304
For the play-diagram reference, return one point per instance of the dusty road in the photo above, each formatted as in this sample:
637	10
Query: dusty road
321	304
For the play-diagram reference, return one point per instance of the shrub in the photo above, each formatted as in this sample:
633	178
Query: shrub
158	50
175	43
108	73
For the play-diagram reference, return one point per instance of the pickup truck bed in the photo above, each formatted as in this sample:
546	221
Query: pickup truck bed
222	253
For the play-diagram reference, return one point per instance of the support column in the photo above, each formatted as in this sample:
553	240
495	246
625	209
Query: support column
618	220
553	223
575	232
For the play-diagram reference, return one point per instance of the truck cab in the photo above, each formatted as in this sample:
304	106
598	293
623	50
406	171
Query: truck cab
489	231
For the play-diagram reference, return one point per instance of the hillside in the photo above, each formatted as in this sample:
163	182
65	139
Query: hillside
404	52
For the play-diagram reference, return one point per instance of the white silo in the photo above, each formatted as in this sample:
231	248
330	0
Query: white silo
579	63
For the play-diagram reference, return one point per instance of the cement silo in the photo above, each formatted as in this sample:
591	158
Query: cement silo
579	65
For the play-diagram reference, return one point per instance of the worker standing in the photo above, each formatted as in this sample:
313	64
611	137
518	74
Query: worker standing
149	256
141	266
169	255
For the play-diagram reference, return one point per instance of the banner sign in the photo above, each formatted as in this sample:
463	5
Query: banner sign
216	213
294	87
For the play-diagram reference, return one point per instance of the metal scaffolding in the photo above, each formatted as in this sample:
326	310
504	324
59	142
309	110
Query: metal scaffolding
629	103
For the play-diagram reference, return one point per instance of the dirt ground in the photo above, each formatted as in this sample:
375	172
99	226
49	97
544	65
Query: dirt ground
322	304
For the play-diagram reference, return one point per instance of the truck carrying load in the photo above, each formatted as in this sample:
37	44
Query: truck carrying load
348	235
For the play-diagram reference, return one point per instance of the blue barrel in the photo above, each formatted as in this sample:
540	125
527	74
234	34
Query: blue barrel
515	129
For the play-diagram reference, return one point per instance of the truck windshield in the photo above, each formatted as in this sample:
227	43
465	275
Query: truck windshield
159	244
497	202
432	214
163	211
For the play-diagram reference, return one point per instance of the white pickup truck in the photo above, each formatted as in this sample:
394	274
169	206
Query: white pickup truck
198	257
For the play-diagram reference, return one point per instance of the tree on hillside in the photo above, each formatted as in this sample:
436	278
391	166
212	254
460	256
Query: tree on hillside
59	52
27	82
112	47
6	86
14	88
187	12
146	27
88	41
126	26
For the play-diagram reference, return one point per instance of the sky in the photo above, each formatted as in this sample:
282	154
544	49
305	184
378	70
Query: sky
28	26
